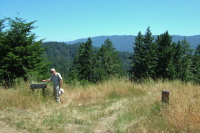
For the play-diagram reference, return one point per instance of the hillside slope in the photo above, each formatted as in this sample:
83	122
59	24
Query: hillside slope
125	42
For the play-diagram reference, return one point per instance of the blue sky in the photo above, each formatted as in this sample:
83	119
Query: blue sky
67	20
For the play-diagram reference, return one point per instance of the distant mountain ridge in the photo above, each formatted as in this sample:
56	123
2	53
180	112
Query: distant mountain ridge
125	42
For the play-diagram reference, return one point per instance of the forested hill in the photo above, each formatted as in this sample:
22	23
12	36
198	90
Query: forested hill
125	43
61	56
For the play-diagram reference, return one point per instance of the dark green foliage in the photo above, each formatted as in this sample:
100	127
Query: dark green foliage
108	62
164	55
61	56
124	56
19	52
144	60
196	64
95	65
83	63
22	57
137	68
150	54
186	61
162	58
152	58
176	59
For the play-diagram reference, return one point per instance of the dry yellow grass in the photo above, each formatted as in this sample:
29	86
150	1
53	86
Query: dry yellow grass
116	105
184	112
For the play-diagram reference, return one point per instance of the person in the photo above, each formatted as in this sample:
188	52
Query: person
57	80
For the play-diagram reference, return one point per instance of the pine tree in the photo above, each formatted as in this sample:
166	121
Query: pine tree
186	62
137	66
151	55
108	59
144	60
20	54
165	50
83	62
174	58
196	64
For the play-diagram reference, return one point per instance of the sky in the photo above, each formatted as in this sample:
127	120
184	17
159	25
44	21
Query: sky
68	20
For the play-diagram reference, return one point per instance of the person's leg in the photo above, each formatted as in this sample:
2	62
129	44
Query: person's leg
57	94
54	91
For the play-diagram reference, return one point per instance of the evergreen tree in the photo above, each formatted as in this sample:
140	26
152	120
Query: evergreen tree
1	27
164	56
138	65
21	55
151	55
83	62
108	60
186	62
176	60
196	63
144	60
173	60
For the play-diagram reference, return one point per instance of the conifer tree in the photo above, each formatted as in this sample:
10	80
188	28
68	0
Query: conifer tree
151	54
108	59
138	64
186	61
164	56
196	64
176	61
83	62
144	60
20	54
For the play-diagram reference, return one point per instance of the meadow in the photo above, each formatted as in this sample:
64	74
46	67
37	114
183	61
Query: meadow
113	106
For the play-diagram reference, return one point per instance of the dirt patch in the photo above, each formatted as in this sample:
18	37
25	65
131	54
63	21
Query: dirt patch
104	125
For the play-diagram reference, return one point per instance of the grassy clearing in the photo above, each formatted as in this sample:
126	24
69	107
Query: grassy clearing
116	105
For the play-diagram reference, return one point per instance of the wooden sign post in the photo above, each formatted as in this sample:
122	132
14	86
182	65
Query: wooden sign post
165	97
38	86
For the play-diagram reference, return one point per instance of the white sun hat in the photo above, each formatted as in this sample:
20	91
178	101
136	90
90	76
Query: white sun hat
61	91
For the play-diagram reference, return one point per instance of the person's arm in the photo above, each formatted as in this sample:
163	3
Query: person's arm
45	80
60	79
61	82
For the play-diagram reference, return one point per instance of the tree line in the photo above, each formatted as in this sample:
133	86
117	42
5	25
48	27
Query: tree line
159	57
22	57
62	57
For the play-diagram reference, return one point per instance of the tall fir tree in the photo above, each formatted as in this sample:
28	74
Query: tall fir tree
175	62
83	62
196	64
151	55
20	53
164	56
144	59
186	61
137	65
109	63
